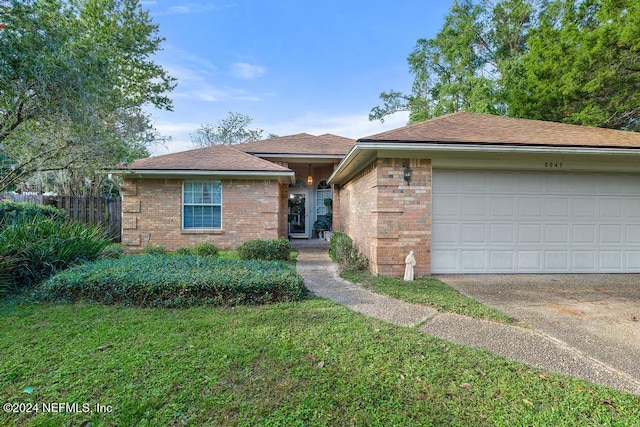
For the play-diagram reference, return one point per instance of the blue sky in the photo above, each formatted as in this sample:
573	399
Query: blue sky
293	66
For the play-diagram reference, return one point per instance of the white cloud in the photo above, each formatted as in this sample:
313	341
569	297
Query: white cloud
195	77
185	8
245	71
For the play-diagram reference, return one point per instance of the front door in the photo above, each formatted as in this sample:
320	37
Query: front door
298	214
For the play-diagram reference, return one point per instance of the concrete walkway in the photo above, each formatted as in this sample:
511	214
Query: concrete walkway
524	345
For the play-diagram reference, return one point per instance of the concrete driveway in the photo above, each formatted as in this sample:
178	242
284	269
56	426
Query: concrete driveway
598	314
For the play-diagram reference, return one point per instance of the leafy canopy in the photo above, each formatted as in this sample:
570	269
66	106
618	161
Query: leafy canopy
74	78
234	129
572	61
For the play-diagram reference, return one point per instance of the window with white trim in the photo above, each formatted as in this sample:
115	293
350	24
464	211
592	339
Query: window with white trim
201	205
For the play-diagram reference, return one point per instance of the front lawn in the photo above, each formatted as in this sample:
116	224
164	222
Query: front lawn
428	291
309	363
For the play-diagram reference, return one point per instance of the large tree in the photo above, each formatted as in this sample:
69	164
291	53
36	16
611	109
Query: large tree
582	65
460	68
574	61
233	129
75	76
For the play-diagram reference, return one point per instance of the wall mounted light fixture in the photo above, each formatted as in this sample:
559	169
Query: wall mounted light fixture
309	177
407	173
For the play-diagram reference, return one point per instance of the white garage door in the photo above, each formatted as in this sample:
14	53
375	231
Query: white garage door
534	222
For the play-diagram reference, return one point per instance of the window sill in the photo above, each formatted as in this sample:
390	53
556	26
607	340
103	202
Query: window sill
201	231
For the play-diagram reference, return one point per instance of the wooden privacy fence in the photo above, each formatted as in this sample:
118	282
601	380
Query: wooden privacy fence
91	210
86	209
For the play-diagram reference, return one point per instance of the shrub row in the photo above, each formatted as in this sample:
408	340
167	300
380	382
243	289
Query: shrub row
33	249
200	249
174	281
266	250
11	213
342	251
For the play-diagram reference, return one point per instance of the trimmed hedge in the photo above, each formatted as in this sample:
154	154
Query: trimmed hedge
266	250
174	281
11	213
200	249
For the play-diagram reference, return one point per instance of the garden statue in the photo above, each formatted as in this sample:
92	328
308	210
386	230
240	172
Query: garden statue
410	262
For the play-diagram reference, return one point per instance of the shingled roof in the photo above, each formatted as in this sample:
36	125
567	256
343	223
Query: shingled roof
300	144
473	128
214	158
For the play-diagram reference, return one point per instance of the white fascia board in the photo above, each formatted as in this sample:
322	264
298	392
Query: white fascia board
363	152
346	164
298	156
147	173
485	148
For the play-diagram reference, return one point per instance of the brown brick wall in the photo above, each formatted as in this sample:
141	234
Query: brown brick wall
152	211
386	217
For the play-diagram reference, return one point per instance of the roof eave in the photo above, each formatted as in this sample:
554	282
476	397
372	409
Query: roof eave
282	176
365	151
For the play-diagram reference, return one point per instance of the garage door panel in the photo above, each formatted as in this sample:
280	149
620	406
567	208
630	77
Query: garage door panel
473	260
473	234
447	234
501	206
584	208
611	208
530	261
501	261
610	234
556	234
502	234
447	207
535	222
633	234
584	261
557	261
530	234
474	182
445	261
530	207
474	207
632	208
557	207
610	261
632	259
584	234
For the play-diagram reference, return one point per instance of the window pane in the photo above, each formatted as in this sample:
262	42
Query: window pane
201	204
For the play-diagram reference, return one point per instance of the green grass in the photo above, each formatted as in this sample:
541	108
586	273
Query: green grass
428	291
311	363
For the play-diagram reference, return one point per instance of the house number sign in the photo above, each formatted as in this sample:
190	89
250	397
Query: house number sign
555	165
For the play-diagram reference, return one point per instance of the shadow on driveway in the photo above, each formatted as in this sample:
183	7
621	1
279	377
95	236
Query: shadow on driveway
598	314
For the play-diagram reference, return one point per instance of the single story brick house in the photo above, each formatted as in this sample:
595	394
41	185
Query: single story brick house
230	194
468	193
474	193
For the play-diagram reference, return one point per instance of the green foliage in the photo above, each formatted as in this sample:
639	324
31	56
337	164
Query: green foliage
229	131
152	249
581	65
430	291
266	250
572	61
235	366
75	80
113	250
11	212
174	281
38	248
200	249
343	252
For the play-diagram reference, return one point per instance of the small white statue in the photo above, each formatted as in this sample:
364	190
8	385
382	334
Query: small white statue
410	262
